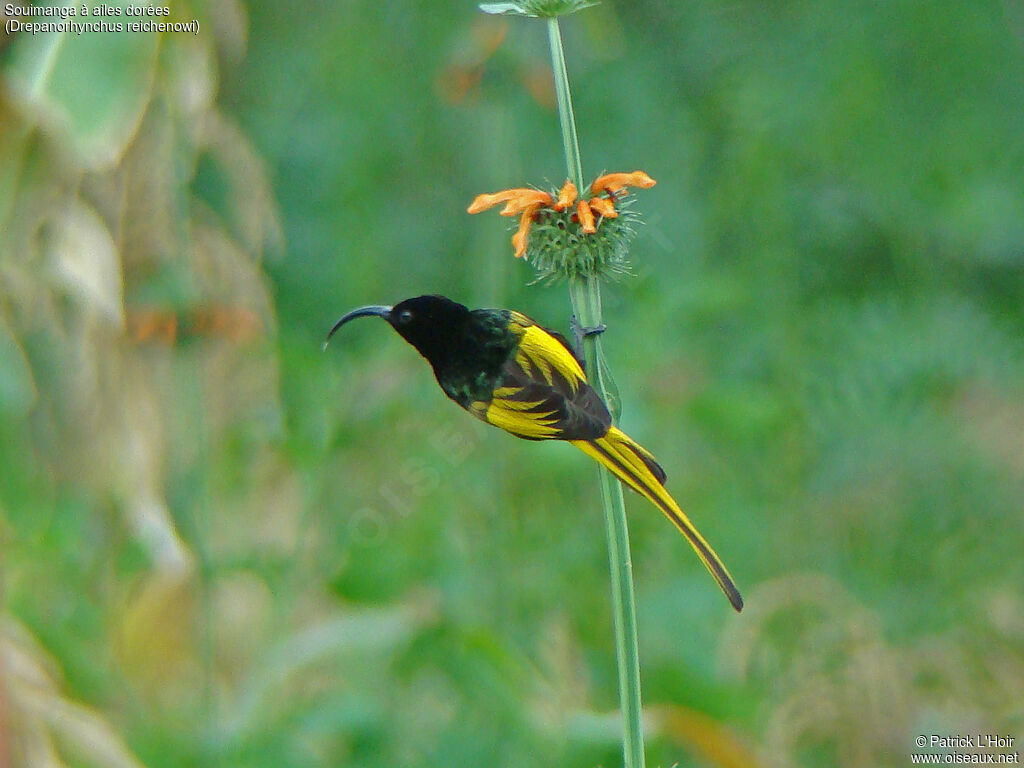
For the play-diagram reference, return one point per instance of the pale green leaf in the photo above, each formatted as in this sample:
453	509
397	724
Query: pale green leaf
91	88
86	262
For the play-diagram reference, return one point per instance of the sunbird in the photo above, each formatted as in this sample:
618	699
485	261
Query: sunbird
508	371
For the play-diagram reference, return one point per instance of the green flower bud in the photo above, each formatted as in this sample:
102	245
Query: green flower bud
537	8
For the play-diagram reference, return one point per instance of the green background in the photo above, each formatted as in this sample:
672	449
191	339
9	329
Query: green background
222	546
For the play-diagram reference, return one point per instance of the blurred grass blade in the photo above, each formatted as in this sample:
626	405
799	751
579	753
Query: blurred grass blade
55	726
17	388
369	631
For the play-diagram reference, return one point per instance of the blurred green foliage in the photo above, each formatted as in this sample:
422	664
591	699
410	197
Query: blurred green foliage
224	547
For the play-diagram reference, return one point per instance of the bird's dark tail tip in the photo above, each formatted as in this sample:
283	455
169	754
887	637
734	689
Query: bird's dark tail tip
634	466
736	599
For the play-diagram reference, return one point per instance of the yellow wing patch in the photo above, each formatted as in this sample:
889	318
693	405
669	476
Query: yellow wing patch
510	416
542	351
535	425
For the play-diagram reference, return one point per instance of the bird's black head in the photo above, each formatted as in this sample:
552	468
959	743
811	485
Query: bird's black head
429	323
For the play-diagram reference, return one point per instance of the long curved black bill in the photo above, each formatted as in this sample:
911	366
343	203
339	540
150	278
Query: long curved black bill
376	310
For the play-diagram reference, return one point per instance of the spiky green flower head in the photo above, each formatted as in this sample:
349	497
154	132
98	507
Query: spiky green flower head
537	8
559	247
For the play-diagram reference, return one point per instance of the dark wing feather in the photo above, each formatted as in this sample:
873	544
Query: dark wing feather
526	405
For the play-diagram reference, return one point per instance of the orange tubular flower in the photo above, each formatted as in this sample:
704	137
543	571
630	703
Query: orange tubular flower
614	183
519	204
511	196
519	239
603	206
523	202
566	196
586	217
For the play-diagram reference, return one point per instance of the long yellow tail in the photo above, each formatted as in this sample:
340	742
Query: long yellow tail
634	466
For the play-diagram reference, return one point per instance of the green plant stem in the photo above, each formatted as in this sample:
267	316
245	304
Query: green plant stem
585	294
570	143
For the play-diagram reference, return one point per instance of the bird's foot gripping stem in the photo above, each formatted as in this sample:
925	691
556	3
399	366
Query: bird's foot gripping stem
579	333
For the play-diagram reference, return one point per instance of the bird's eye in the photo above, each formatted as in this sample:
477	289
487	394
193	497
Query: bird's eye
404	316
